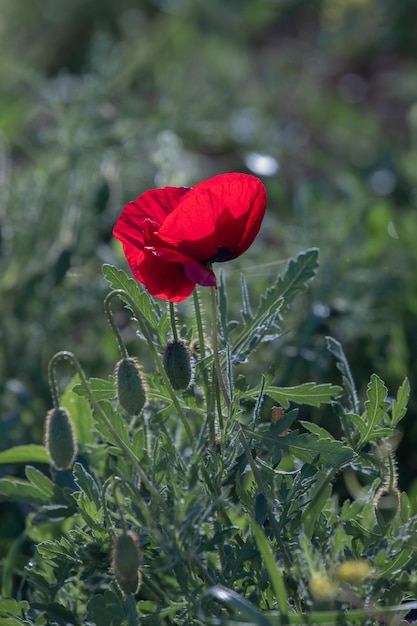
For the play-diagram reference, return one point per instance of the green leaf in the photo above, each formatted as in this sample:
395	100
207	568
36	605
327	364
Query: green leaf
80	412
25	454
260	508
335	348
101	388
275	573
306	447
10	565
399	406
17	490
376	408
107	609
308	393
150	311
60	614
9	606
41	482
87	484
263	325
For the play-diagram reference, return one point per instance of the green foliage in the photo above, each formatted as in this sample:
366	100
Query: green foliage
100	101
233	510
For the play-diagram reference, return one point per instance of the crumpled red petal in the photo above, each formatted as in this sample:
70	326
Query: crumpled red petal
171	236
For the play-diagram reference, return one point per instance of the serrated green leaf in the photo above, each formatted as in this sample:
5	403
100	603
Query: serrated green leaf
399	406
376	407
116	420
358	422
335	348
396	563
101	388
25	454
150	311
276	299
322	433
308	393
17	490
87	484
41	482
306	447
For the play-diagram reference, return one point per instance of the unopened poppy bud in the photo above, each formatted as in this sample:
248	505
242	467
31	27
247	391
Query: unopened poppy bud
131	391
60	438
387	501
126	560
178	364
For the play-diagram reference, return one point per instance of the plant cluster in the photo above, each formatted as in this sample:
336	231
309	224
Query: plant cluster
195	497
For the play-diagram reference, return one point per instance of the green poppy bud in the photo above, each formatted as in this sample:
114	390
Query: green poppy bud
178	364
126	560
131	391
60	438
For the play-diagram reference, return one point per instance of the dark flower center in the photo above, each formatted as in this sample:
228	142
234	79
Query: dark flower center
222	254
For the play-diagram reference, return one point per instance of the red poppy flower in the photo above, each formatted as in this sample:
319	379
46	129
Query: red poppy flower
171	236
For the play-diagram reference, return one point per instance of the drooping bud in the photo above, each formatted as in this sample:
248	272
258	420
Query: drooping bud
131	391
126	560
178	364
60	438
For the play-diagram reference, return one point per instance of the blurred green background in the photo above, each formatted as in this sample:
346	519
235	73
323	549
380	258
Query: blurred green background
103	99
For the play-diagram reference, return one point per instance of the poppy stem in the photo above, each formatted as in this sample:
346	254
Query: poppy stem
217	364
109	315
206	378
173	318
52	382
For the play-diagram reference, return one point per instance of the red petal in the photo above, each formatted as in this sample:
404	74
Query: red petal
155	204
164	279
222	212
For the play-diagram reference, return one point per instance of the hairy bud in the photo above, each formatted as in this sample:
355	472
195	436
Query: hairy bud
60	438
126	560
131	391
178	364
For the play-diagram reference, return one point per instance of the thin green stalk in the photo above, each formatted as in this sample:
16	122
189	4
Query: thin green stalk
173	318
109	315
208	386
126	450
219	373
123	295
199	321
241	434
53	384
